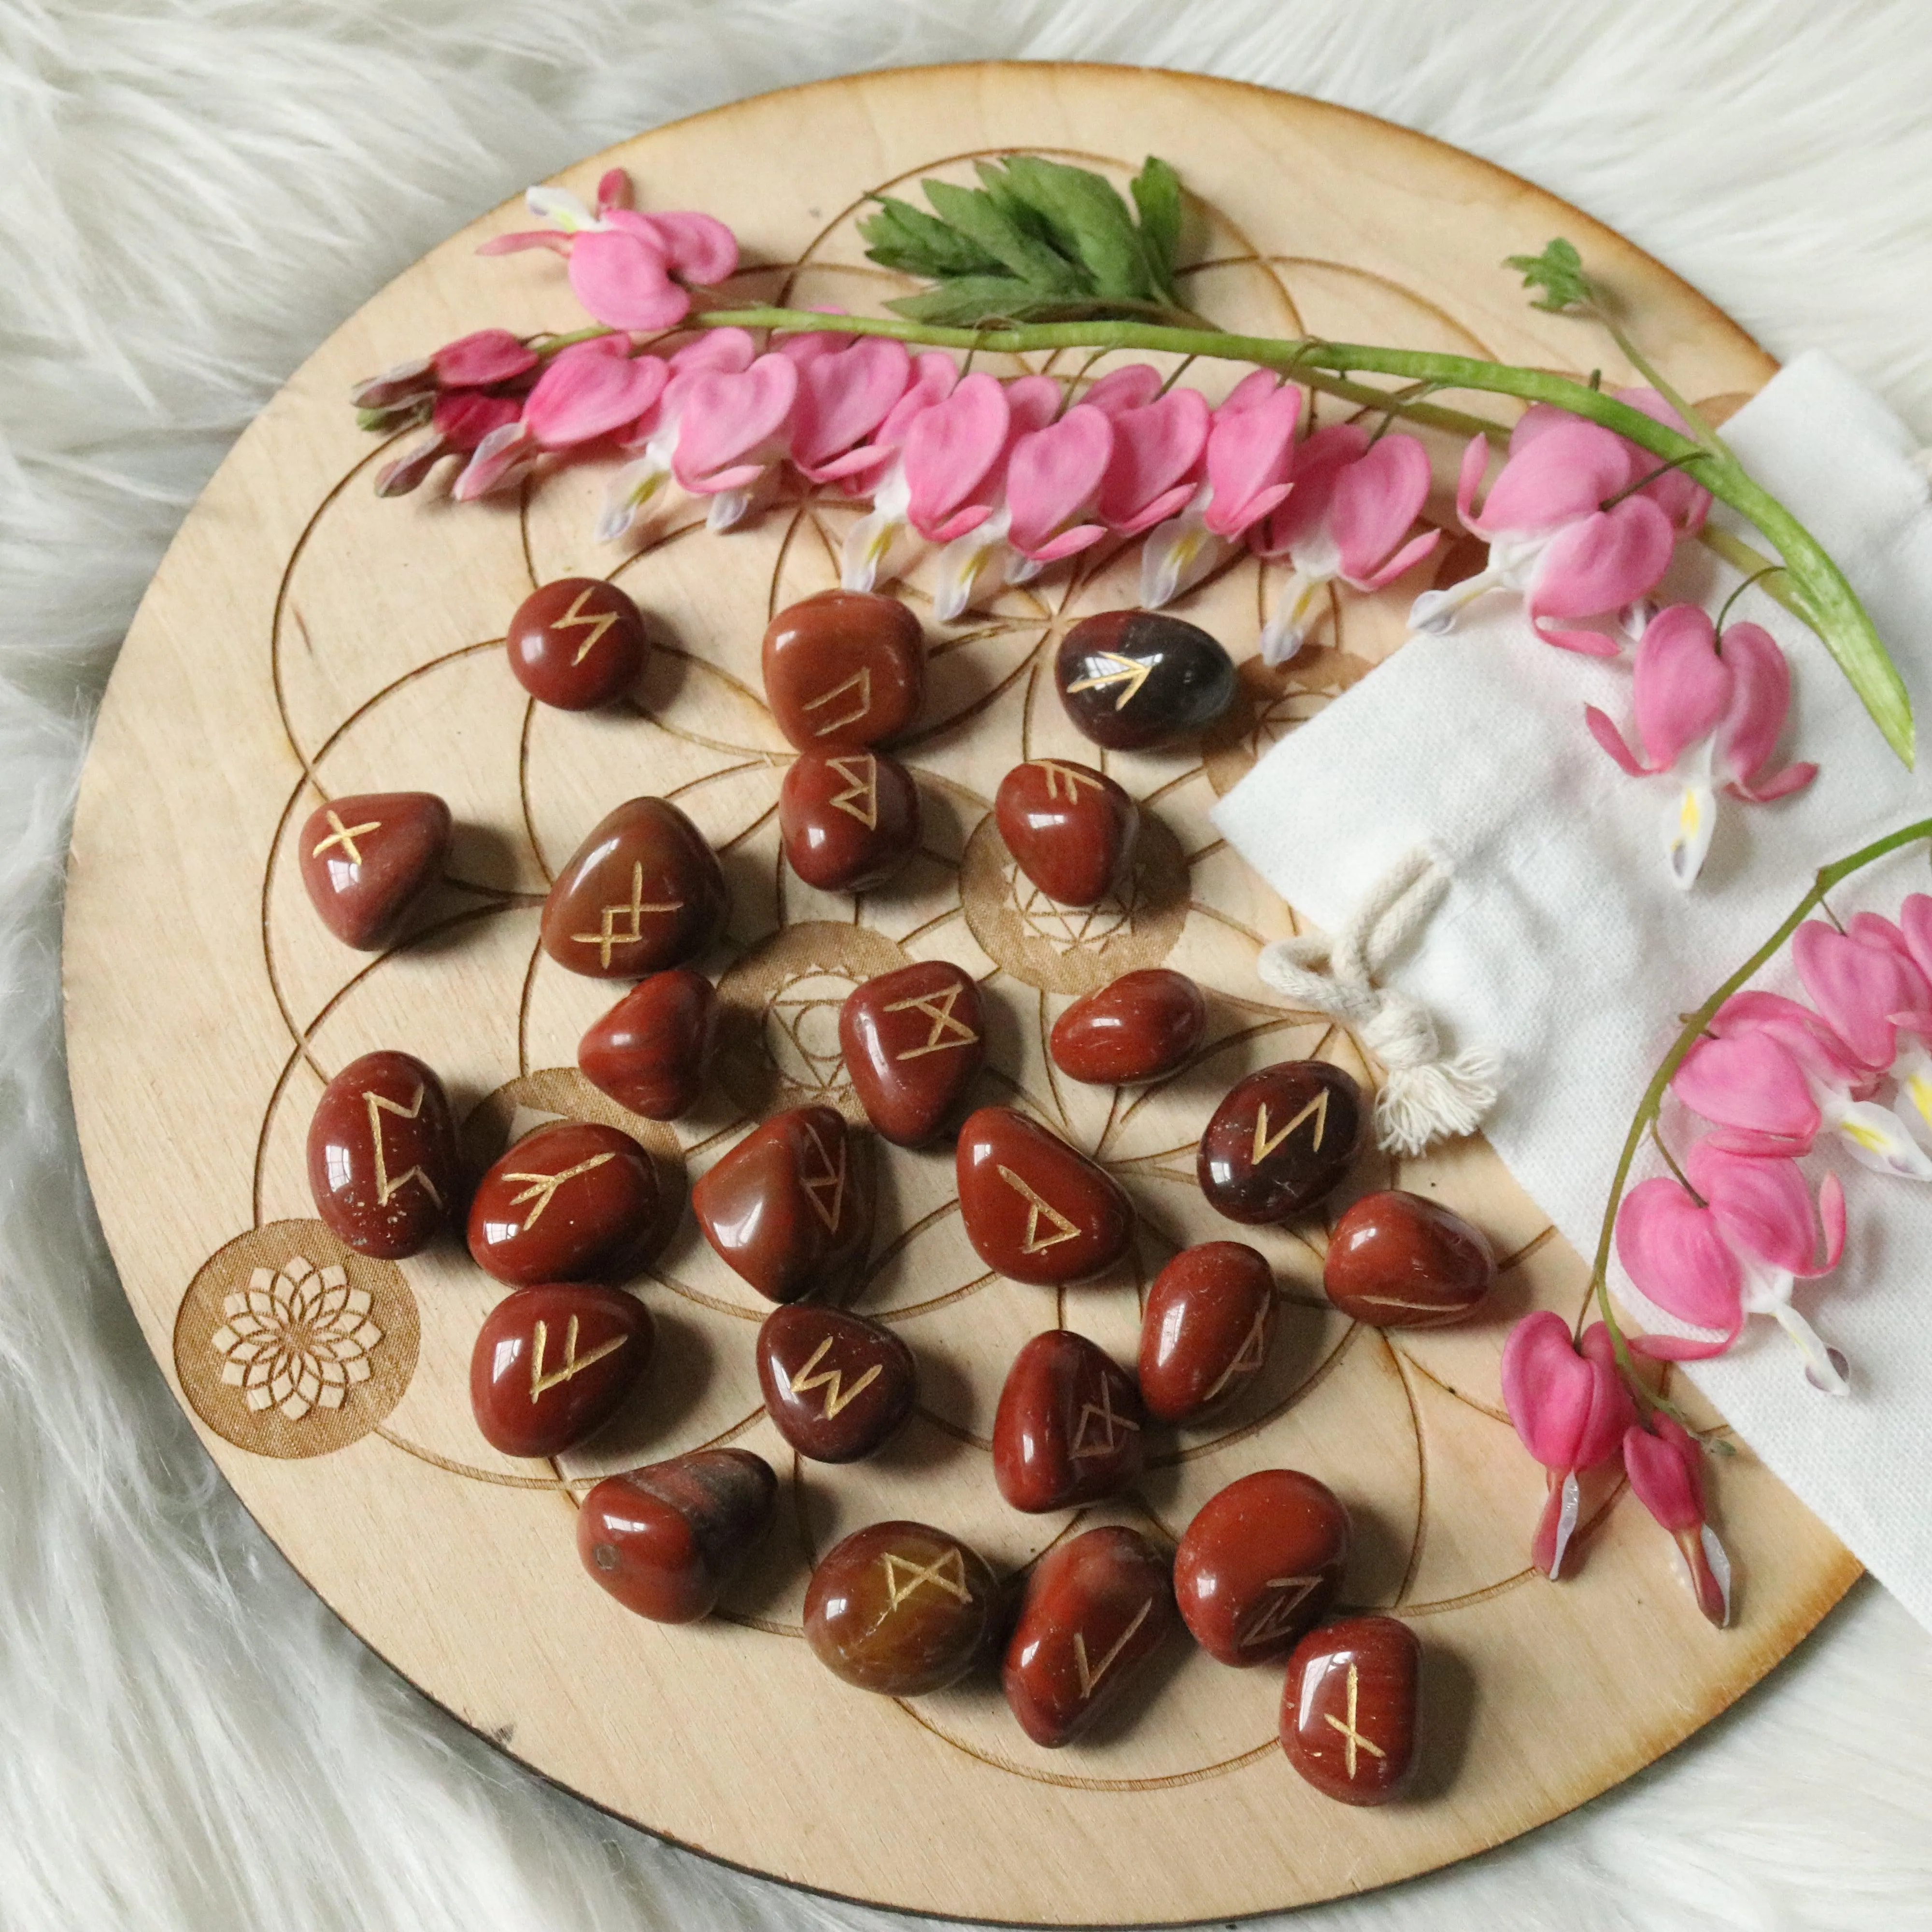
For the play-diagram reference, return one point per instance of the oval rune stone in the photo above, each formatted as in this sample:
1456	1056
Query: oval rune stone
834	1384
1069	1428
553	1364
1205	1334
912	1040
367	860
1139	1026
848	821
900	1609
383	1159
650	1051
1280	1140
844	669
1032	1207
1397	1260
577	642
1071	829
1131	678
1349	1708
642	892
574	1201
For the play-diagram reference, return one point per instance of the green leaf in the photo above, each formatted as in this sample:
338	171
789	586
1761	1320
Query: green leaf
1156	193
1088	220
967	301
901	236
978	218
1559	272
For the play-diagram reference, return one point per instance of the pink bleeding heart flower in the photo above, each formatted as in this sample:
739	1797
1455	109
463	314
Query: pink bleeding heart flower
1249	458
1685	502
1155	468
1571	1408
1552	538
732	433
846	390
1734	1243
950	450
879	545
1120	391
1054	477
1708	713
655	434
1351	505
1664	1463
1749	1083
459	423
981	555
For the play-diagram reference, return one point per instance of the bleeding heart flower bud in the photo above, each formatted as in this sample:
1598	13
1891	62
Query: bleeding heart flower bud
1663	1464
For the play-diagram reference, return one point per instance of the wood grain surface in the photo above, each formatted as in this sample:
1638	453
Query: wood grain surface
304	639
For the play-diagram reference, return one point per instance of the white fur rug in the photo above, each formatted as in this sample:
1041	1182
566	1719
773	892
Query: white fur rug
194	192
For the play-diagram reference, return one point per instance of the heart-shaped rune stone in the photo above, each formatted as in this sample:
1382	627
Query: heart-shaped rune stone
1071	829
367	860
1280	1140
844	669
1349	1708
912	1040
1097	1608
577	642
1032	1207
783	1207
650	1051
553	1364
1068	1427
643	892
848	820
574	1201
1205	1331
834	1384
1130	679
383	1159
666	1539
1260	1563
1137	1028
1397	1260
900	1609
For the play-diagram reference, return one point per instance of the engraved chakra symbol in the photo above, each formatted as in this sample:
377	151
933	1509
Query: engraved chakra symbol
297	1338
1066	928
802	1038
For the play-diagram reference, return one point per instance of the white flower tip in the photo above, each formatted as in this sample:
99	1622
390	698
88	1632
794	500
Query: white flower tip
728	509
1432	613
1566	1522
1720	1561
1687	834
1281	640
1830	1373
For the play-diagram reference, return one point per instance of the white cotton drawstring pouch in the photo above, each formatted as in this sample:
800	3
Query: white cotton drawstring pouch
1557	949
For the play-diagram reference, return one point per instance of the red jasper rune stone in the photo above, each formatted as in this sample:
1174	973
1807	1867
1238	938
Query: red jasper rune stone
844	669
553	1364
1260	1564
1204	1335
848	821
367	860
577	644
782	1207
1032	1207
1068	1427
1349	1708
1071	829
912	1040
650	1051
834	1384
383	1159
1280	1140
1096	1608
666	1539
1136	1027
900	1609
642	892
1401	1261
574	1201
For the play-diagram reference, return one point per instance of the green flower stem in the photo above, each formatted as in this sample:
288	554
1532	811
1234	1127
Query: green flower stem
1817	588
1648	1108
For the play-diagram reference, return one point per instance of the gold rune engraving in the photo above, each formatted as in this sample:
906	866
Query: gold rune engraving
1248	1357
1395	1301
607	935
1102	1411
544	1186
1059	775
1090	1676
1351	1737
346	836
1276	1616
833	1177
576	618
1129	673
1033	1244
937	1007
378	1105
861	682
573	1364
861	801
1265	1143
946	1572
803	1381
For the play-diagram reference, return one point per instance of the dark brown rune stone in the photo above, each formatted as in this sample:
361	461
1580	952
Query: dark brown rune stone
834	1384
1068	1427
1132	679
1280	1140
900	1609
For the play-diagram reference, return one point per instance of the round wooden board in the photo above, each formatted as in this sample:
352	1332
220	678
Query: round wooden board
304	639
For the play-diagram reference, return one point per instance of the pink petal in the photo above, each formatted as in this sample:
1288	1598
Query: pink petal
490	356
1069	543
1597	565
613	190
1685	1347
1156	454
1032	403
1915	925
502	455
1054	474
935	375
1762	1206
1761	696
1134	387
1564	473
623	279
1319	460
1250	453
409	470
949	448
697	247
1376	500
728	418
1469	479
1796	1028
1607	735
557	243
1403	560
844	396
1537	419
1750	1083
729	349
1255	388
464	417
1858	987
1831	1214
1664	1473
1570	1409
1684	502
1673	1250
1868	928
587	391
1681	687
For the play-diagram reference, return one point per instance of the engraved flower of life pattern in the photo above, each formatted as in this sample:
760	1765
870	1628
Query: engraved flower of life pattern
1408	1429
